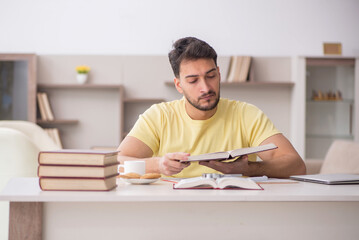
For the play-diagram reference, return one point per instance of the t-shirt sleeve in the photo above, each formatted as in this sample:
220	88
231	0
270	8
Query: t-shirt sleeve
147	128
258	126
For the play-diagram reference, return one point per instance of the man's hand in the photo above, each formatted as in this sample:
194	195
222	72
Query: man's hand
169	164
240	165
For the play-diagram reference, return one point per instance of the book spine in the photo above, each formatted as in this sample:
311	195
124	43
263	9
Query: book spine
48	110
40	184
67	165
57	137
41	106
76	151
93	178
238	68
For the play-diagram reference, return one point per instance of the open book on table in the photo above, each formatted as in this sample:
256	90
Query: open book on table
231	154
219	183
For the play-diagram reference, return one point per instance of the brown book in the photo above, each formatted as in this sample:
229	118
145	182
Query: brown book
232	69
49	133
238	68
40	103
85	157
57	138
235	68
243	75
77	184
77	171
54	134
48	111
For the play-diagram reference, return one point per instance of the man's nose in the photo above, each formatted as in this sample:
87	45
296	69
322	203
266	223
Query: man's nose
204	86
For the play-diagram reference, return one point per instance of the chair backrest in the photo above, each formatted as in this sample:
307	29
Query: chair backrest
342	157
35	133
20	143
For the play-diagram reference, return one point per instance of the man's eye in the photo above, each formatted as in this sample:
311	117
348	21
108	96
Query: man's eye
211	76
193	81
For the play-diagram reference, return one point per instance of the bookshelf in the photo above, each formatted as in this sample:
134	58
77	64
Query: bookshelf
249	84
144	100
328	116
274	81
263	72
82	110
78	86
56	121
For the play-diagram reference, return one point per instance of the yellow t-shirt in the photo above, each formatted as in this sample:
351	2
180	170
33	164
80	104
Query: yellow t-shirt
166	128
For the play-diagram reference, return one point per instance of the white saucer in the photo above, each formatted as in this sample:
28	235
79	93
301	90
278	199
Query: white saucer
140	181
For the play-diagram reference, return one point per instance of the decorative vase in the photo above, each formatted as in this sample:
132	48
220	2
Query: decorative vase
81	78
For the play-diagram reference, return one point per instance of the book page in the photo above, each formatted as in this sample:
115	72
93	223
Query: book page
245	183
196	182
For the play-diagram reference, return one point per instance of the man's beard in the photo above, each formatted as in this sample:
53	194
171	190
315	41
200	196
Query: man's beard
203	108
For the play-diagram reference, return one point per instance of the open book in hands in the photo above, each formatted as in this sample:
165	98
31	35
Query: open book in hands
230	154
219	183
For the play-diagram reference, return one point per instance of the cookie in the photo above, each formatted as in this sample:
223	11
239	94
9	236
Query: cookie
150	176
131	175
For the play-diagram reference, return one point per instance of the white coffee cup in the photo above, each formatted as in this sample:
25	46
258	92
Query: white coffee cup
138	167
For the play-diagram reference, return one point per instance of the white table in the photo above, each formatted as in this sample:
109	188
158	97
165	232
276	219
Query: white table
156	211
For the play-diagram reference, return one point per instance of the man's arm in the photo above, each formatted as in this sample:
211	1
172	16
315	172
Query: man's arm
132	148
281	162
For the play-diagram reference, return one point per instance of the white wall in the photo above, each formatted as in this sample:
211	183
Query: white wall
143	27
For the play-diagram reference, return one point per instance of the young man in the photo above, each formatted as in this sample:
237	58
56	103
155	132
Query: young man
202	122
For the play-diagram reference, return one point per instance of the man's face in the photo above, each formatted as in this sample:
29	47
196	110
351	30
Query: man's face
199	83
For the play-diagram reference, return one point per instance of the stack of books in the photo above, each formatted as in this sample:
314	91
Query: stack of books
77	170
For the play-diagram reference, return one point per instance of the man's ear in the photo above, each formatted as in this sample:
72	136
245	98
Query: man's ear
178	85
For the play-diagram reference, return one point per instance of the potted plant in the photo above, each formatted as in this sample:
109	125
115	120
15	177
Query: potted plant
82	73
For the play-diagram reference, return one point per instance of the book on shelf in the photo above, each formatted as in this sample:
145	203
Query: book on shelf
41	106
232	69
86	157
246	63
217	183
239	68
230	154
57	137
77	184
54	134
48	111
77	171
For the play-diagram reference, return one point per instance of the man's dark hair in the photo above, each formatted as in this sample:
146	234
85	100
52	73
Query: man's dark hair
189	48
